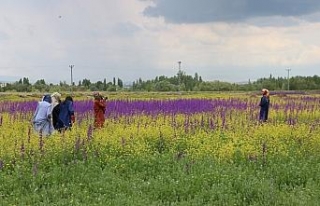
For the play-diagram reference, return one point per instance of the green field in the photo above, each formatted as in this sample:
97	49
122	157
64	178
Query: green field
165	149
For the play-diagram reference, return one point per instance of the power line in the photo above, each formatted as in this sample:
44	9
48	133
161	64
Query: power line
78	66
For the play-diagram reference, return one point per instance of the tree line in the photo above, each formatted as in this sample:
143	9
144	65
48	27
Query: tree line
179	82
24	85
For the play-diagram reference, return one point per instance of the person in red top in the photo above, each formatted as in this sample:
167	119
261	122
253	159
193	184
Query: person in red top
99	108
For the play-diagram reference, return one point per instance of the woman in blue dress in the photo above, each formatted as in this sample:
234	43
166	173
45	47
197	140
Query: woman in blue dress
66	114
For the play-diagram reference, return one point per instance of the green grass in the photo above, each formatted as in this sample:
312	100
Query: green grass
125	164
162	180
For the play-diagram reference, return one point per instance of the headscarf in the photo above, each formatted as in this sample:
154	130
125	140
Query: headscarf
265	92
55	98
69	98
56	95
47	98
96	95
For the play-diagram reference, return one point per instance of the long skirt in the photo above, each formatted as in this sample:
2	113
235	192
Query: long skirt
44	127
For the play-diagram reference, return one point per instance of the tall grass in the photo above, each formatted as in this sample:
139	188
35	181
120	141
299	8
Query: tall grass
190	151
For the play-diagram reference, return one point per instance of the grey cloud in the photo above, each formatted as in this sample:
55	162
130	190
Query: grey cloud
315	17
201	11
126	28
274	21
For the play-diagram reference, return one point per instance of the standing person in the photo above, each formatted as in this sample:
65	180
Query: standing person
56	101
66	114
42	117
264	105
99	108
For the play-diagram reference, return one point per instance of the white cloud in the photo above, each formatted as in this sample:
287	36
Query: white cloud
109	38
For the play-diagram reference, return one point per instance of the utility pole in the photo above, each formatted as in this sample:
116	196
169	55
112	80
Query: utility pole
71	87
179	73
288	70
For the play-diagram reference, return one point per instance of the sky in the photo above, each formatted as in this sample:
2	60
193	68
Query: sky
223	40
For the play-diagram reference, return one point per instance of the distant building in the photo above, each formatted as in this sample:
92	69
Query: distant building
2	84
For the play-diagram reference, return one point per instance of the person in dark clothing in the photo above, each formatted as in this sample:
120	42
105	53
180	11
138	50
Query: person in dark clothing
99	108
66	114
264	105
56	101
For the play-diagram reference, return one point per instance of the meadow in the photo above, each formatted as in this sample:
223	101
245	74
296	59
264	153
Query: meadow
165	149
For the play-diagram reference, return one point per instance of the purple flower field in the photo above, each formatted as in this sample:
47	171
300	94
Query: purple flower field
286	109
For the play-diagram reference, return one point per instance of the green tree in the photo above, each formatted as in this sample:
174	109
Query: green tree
114	81
120	83
41	86
164	86
86	83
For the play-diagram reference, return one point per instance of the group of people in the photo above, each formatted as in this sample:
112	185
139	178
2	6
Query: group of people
53	114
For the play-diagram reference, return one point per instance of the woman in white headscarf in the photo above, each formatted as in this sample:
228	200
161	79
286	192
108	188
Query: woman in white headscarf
56	100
